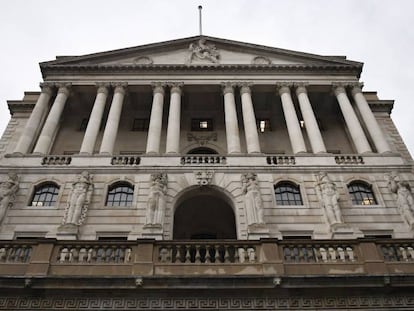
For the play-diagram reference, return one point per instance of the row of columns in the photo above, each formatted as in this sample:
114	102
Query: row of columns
48	131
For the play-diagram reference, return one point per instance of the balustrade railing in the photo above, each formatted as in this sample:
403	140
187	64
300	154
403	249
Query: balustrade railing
208	253
349	159
397	252
56	160
15	253
203	159
85	254
280	160
125	160
322	253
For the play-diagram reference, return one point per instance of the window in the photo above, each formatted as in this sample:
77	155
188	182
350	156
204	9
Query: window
45	195
202	125
140	125
120	194
361	193
288	193
263	125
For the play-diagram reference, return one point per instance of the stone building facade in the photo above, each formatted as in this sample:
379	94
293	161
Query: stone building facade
204	173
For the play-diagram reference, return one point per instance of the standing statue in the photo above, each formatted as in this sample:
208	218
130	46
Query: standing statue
404	197
202	51
8	191
79	199
252	198
156	200
329	197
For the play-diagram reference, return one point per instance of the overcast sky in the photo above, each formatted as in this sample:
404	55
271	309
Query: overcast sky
377	32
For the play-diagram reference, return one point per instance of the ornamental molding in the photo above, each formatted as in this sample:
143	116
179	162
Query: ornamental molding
261	60
204	178
143	60
202	139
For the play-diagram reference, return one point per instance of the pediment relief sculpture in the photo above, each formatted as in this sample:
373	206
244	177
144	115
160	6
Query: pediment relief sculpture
143	60
203	51
261	60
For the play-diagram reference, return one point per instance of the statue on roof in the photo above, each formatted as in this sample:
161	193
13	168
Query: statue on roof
203	51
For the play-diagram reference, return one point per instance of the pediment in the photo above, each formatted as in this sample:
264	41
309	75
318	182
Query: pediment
200	50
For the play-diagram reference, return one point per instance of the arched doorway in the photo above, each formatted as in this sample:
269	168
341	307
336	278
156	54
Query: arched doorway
204	213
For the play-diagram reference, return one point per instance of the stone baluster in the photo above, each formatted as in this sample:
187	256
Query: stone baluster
52	121
155	125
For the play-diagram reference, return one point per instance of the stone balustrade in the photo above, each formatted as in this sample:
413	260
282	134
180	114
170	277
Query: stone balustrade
349	160
86	254
281	160
125	160
14	253
203	159
56	160
319	253
208	253
398	252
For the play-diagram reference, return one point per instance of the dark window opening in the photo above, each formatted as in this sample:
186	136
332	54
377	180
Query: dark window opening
83	125
201	125
120	194
45	195
263	125
140	125
287	194
361	193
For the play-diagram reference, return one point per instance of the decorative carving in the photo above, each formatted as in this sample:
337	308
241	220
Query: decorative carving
203	51
143	60
202	139
156	200
8	191
329	196
79	199
261	60
404	195
204	177
253	199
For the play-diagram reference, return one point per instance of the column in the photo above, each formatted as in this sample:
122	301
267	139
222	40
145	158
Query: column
33	124
49	128
369	119
155	125
95	119
112	124
292	122
351	120
311	124
249	120
230	115
174	116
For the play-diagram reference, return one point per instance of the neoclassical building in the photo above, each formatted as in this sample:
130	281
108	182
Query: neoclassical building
204	173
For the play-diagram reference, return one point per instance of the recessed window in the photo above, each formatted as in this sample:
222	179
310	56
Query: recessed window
361	193
201	124
120	194
287	193
45	195
263	125
140	125
83	125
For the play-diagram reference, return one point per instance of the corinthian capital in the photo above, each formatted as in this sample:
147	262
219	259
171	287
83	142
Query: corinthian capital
176	87
228	87
64	87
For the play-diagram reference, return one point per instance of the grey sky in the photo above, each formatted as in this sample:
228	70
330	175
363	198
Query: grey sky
378	33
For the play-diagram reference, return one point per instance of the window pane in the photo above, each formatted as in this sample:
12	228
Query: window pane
287	194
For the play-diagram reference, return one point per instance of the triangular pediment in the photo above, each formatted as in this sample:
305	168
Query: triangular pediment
199	50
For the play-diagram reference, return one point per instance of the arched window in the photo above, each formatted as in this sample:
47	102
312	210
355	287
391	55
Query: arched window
120	194
361	193
287	193
45	194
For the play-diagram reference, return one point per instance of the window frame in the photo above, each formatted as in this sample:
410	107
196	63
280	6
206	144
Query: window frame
196	125
120	184
360	201
288	201
38	187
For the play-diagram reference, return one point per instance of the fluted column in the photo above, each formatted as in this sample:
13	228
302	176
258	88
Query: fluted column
33	124
292	122
351	120
174	118
52	121
249	120
95	119
230	115
369	119
112	124
155	125
311	124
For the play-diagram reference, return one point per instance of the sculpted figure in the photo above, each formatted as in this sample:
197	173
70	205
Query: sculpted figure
156	199
79	199
404	197
202	50
8	191
329	197
252	199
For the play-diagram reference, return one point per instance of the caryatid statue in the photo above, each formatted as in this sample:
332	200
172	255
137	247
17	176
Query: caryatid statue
252	198
79	199
404	195
156	200
8	191
329	197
